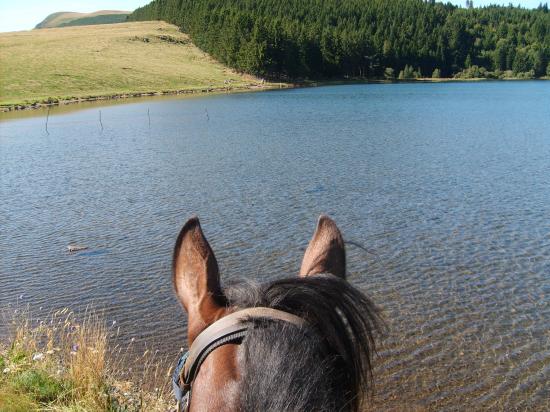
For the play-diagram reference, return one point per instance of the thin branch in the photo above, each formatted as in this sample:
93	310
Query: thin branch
47	119
363	248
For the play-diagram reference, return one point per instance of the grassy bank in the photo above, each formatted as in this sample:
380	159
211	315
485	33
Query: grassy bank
60	365
109	61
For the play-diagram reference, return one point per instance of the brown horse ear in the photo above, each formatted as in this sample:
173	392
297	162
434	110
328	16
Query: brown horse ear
326	252
196	279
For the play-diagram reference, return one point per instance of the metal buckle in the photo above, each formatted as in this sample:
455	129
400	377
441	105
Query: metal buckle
181	391
187	398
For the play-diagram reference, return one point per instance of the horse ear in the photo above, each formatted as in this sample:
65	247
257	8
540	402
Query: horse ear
326	252
196	279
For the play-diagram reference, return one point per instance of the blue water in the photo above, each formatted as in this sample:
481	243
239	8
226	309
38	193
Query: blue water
446	185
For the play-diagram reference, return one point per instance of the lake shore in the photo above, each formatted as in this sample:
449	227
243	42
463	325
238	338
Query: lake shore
47	103
319	83
123	61
253	87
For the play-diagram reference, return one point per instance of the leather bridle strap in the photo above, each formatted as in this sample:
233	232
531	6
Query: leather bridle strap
229	329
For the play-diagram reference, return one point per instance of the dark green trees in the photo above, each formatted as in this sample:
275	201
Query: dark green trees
362	38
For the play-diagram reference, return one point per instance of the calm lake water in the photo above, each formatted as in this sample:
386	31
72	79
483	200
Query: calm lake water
447	185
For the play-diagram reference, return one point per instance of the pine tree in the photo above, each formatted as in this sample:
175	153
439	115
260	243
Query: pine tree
333	38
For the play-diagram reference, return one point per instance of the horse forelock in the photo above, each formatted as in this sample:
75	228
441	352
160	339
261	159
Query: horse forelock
324	367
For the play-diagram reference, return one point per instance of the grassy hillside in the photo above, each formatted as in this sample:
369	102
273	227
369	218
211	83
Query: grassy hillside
127	58
65	18
54	19
99	19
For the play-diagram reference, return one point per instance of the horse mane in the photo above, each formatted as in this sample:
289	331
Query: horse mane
324	367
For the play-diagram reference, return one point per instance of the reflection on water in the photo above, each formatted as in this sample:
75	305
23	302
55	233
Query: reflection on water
447	185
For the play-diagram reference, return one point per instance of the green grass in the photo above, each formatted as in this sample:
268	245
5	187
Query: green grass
86	61
40	385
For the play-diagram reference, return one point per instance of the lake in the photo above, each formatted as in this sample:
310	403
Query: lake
446	185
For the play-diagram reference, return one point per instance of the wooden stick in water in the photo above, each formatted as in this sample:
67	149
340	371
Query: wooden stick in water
47	119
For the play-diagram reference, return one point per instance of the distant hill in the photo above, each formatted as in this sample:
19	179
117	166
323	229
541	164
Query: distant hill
68	18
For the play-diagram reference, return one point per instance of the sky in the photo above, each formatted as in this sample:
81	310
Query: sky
25	14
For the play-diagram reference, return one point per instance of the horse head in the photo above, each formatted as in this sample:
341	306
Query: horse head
299	343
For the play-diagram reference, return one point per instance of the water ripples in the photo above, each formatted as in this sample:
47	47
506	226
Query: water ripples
445	185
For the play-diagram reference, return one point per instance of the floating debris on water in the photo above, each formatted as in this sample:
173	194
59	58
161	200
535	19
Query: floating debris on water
76	248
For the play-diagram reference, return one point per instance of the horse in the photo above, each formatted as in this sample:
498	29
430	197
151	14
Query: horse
302	343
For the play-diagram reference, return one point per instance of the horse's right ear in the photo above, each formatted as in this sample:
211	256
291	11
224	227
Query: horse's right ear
326	252
196	279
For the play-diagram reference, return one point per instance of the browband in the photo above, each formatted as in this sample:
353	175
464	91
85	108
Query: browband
228	329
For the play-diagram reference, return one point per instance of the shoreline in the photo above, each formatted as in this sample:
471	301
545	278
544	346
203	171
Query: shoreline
317	83
52	102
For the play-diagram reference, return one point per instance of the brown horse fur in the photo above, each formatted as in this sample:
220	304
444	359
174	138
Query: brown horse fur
278	366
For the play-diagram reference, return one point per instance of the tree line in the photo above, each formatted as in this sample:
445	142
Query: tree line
316	39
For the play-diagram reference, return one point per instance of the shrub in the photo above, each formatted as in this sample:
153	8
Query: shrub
473	72
407	73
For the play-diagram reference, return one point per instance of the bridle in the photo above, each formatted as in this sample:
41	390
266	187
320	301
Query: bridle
229	329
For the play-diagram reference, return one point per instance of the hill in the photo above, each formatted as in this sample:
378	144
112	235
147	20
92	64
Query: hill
107	61
363	38
67	18
99	19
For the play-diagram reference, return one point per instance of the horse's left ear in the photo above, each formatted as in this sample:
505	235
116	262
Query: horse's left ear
326	252
196	279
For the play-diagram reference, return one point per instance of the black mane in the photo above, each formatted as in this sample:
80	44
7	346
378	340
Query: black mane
327	366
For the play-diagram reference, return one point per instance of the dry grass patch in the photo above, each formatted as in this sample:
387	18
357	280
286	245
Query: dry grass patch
59	364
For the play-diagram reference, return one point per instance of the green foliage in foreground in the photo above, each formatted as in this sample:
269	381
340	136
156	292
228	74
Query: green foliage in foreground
40	385
27	385
360	38
23	388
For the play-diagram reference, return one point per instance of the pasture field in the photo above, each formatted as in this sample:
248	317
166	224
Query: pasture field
87	62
